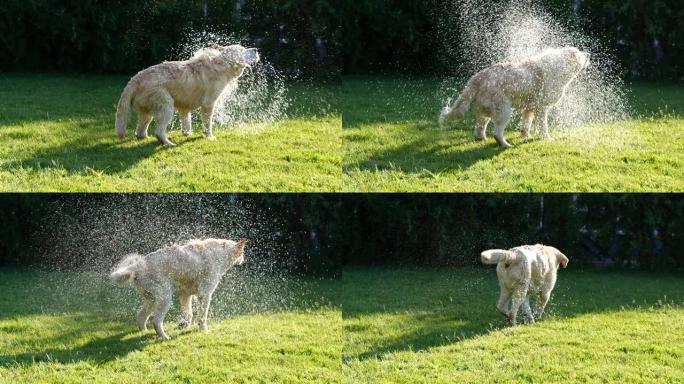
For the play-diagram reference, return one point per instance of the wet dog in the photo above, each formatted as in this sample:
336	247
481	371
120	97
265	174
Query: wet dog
185	86
523	271
194	268
532	86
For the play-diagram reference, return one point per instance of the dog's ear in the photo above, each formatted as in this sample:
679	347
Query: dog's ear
215	45
563	260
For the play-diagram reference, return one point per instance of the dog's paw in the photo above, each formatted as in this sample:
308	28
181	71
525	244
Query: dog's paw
183	324
211	137
187	133
503	144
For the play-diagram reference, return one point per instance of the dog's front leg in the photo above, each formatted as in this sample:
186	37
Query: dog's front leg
163	304
204	301
526	122
541	304
545	124
207	113
186	310
186	122
144	314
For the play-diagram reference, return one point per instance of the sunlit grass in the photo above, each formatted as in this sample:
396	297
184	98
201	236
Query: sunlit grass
56	134
392	143
421	325
67	328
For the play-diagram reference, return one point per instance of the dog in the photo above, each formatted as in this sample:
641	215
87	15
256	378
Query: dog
523	271
193	269
185	86
532	86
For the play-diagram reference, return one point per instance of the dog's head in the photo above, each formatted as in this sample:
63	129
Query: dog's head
236	56
239	256
579	58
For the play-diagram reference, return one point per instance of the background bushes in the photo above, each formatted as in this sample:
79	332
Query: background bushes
123	36
402	35
311	38
318	233
621	230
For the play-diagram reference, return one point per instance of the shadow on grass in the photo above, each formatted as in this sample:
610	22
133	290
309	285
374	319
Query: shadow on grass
430	153
72	328
434	308
92	154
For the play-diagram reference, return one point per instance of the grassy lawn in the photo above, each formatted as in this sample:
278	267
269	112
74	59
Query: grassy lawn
441	326
57	134
71	327
393	143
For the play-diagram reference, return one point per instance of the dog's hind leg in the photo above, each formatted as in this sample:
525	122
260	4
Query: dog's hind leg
164	115
186	310
163	304
144	120
504	301
501	118
526	122
186	122
144	313
527	311
207	113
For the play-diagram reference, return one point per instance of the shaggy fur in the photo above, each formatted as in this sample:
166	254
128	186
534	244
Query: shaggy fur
532	86
193	269
523	271
185	86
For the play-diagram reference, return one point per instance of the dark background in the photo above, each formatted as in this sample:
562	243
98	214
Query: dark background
319	233
402	35
307	38
125	36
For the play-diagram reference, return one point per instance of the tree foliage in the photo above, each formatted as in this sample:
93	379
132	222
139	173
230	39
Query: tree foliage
125	36
318	233
306	37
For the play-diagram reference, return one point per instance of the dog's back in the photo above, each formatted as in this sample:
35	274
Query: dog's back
535	263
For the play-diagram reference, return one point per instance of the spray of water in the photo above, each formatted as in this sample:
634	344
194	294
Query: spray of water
260	97
83	237
477	34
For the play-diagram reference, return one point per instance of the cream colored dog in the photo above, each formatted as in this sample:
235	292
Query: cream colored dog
523	271
532	86
193	269
185	85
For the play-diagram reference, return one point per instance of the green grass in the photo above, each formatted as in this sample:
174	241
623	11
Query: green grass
392	143
405	325
70	327
376	324
57	134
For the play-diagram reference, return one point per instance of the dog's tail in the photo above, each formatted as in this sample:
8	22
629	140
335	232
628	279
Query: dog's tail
126	269
462	104
495	256
123	109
